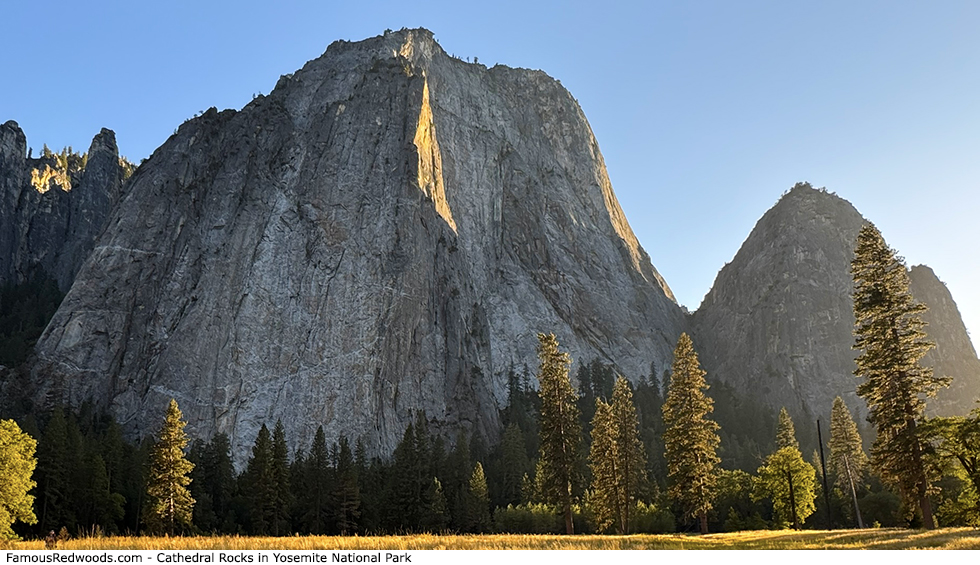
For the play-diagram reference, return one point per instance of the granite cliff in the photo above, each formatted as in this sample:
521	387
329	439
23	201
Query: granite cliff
954	354
54	207
778	320
385	232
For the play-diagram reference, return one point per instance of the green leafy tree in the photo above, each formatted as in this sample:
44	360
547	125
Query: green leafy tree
559	471
847	458
790	482
889	334
736	510
169	502
17	464
690	437
957	439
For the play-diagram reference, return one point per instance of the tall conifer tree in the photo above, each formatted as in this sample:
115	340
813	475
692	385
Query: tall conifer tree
283	498
847	458
786	431
317	485
889	333
558	472
52	473
346	493
169	505
616	459
604	464
258	482
479	501
514	464
632	456
690	437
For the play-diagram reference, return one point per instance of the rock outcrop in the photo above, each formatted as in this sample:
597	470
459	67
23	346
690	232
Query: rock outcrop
53	207
385	232
778	320
954	354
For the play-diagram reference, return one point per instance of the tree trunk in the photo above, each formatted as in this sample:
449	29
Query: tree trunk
569	525
925	505
703	521
854	496
792	501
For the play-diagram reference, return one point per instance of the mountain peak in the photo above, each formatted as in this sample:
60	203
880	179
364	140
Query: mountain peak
778	319
386	232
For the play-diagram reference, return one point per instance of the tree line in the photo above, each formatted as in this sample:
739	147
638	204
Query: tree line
608	456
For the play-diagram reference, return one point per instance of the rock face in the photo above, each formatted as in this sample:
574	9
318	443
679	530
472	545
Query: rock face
778	320
52	212
385	232
954	354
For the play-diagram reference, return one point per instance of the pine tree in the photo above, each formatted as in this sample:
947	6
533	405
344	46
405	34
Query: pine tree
456	480
561	435
436	516
169	505
315	501
514	463
888	330
604	464
346	494
282	499
690	438
411	478
631	453
847	458
17	465
616	459
785	431
98	505
52	471
478	506
259	489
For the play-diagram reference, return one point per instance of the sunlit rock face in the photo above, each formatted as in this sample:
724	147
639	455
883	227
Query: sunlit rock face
386	232
52	214
779	320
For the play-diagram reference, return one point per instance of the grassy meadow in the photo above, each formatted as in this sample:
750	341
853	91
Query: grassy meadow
947	538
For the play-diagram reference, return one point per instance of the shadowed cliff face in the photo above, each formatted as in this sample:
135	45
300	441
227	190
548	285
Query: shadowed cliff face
51	213
385	232
779	320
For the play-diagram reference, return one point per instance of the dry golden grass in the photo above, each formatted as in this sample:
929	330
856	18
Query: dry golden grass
947	538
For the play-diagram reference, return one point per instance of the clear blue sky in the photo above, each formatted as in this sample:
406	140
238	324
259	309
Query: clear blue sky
705	111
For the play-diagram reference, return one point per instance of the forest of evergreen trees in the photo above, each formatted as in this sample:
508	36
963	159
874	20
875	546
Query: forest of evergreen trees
90	480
